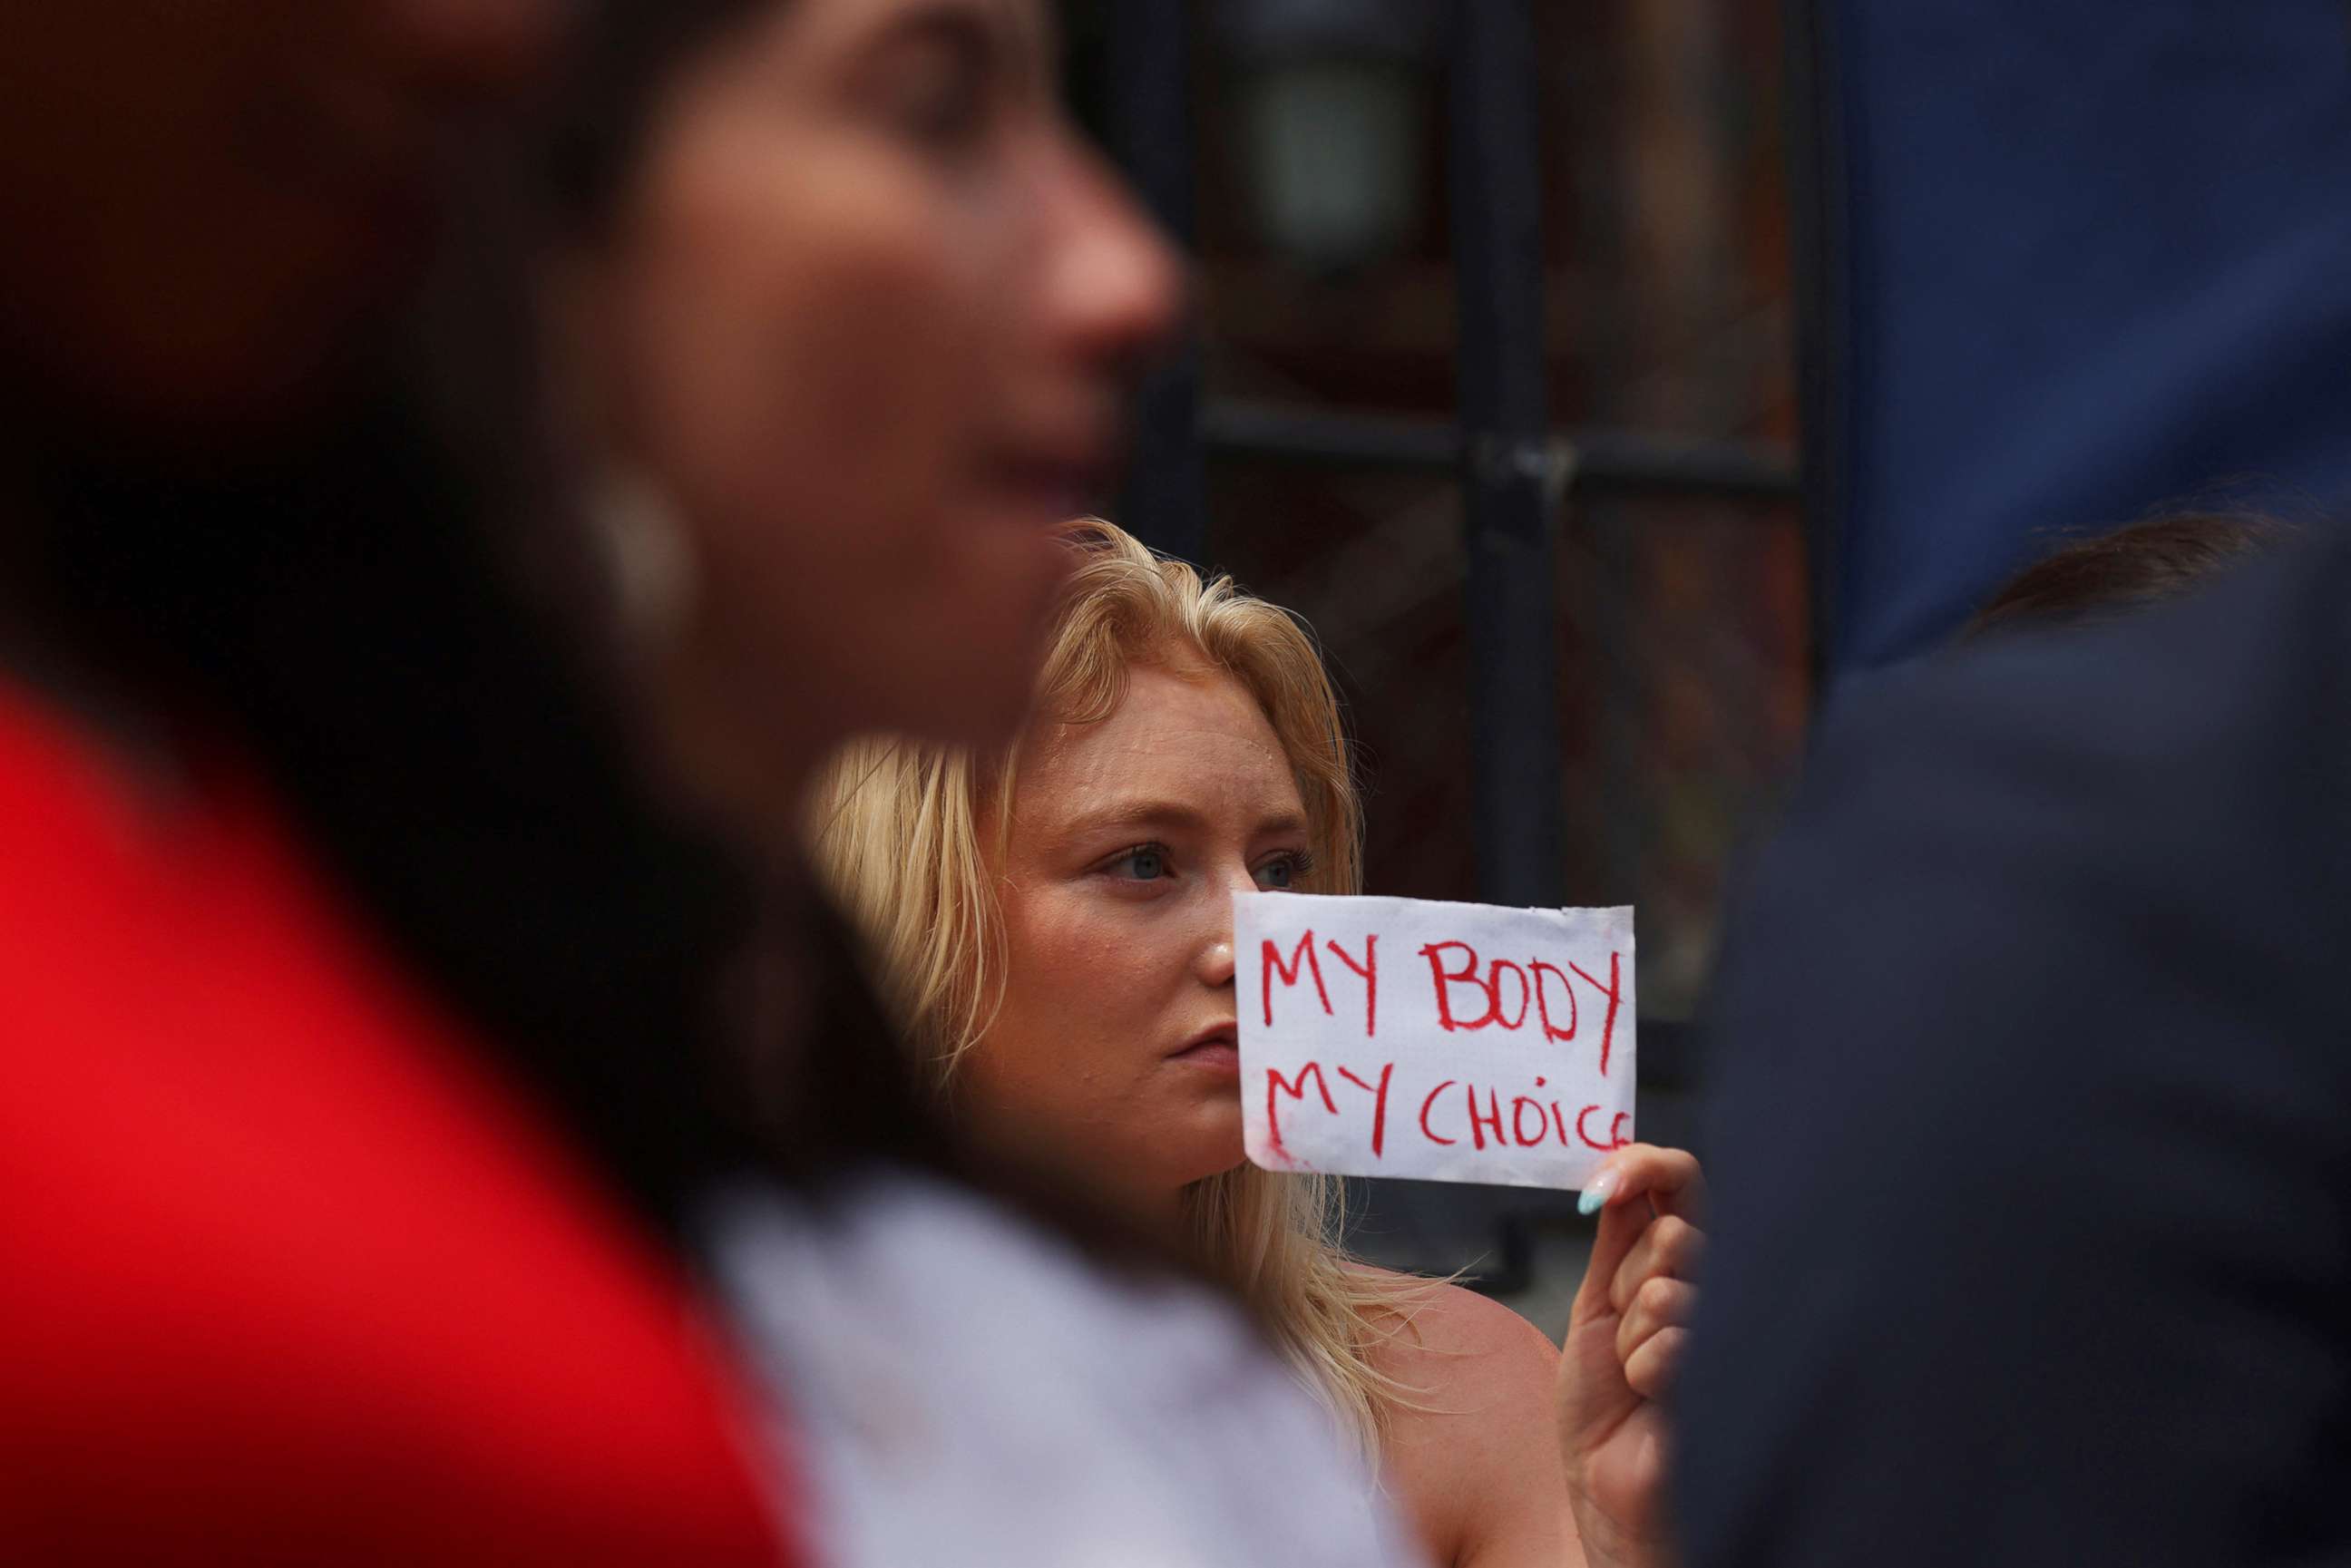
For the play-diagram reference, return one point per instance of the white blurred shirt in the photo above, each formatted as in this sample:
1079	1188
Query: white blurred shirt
957	1386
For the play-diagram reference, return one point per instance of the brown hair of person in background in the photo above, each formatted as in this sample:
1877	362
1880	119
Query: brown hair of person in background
2138	565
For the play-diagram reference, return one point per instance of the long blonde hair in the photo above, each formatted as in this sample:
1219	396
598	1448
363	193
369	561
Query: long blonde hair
895	831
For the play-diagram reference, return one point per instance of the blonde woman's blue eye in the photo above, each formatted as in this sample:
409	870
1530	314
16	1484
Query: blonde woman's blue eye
1276	875
1144	864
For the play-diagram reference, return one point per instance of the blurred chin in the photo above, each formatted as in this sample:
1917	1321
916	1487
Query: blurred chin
978	672
980	702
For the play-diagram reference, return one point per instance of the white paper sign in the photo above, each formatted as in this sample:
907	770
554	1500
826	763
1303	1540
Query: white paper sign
1399	1037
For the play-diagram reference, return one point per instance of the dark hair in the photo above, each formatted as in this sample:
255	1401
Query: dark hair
342	623
617	63
348	618
2145	563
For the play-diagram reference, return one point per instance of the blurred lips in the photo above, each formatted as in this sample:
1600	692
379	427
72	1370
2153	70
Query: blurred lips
1051	487
1059	465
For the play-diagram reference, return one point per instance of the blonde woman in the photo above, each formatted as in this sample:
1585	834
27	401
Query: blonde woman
1052	925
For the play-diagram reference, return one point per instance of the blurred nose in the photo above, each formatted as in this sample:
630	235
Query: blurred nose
478	47
1112	285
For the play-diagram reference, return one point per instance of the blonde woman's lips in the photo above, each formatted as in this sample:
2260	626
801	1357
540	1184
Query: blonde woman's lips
1215	1049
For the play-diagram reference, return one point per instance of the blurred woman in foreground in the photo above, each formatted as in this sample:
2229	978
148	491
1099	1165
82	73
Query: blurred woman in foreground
847	318
1053	922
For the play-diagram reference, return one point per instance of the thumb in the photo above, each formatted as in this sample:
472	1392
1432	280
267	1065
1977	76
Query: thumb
1591	1400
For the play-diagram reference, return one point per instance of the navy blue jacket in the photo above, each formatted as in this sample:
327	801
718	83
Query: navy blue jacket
2031	1143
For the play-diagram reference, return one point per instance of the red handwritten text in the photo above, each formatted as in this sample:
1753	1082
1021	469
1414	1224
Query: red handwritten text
1508	991
1453	1112
1303	961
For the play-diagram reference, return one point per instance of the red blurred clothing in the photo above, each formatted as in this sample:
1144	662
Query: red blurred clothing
284	1275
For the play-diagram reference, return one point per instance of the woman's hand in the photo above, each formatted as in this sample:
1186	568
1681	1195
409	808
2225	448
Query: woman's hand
1625	1339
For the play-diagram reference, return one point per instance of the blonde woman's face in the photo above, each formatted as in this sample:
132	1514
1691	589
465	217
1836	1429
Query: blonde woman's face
1113	1055
872	314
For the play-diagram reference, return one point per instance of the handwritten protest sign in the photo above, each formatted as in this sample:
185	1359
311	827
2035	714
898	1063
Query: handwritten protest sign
1448	1041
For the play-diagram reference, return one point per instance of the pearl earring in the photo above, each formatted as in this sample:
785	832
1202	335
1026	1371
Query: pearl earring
650	555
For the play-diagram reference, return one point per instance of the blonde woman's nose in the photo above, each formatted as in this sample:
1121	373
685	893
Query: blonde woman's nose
1216	960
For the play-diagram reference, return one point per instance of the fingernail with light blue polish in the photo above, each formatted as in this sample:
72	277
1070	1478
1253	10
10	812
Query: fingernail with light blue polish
1595	1196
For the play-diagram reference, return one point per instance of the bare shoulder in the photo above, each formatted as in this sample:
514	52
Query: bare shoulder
1472	1450
1455	1340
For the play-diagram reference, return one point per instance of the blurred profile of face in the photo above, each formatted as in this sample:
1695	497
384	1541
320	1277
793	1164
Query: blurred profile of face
202	201
867	313
1114	1054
